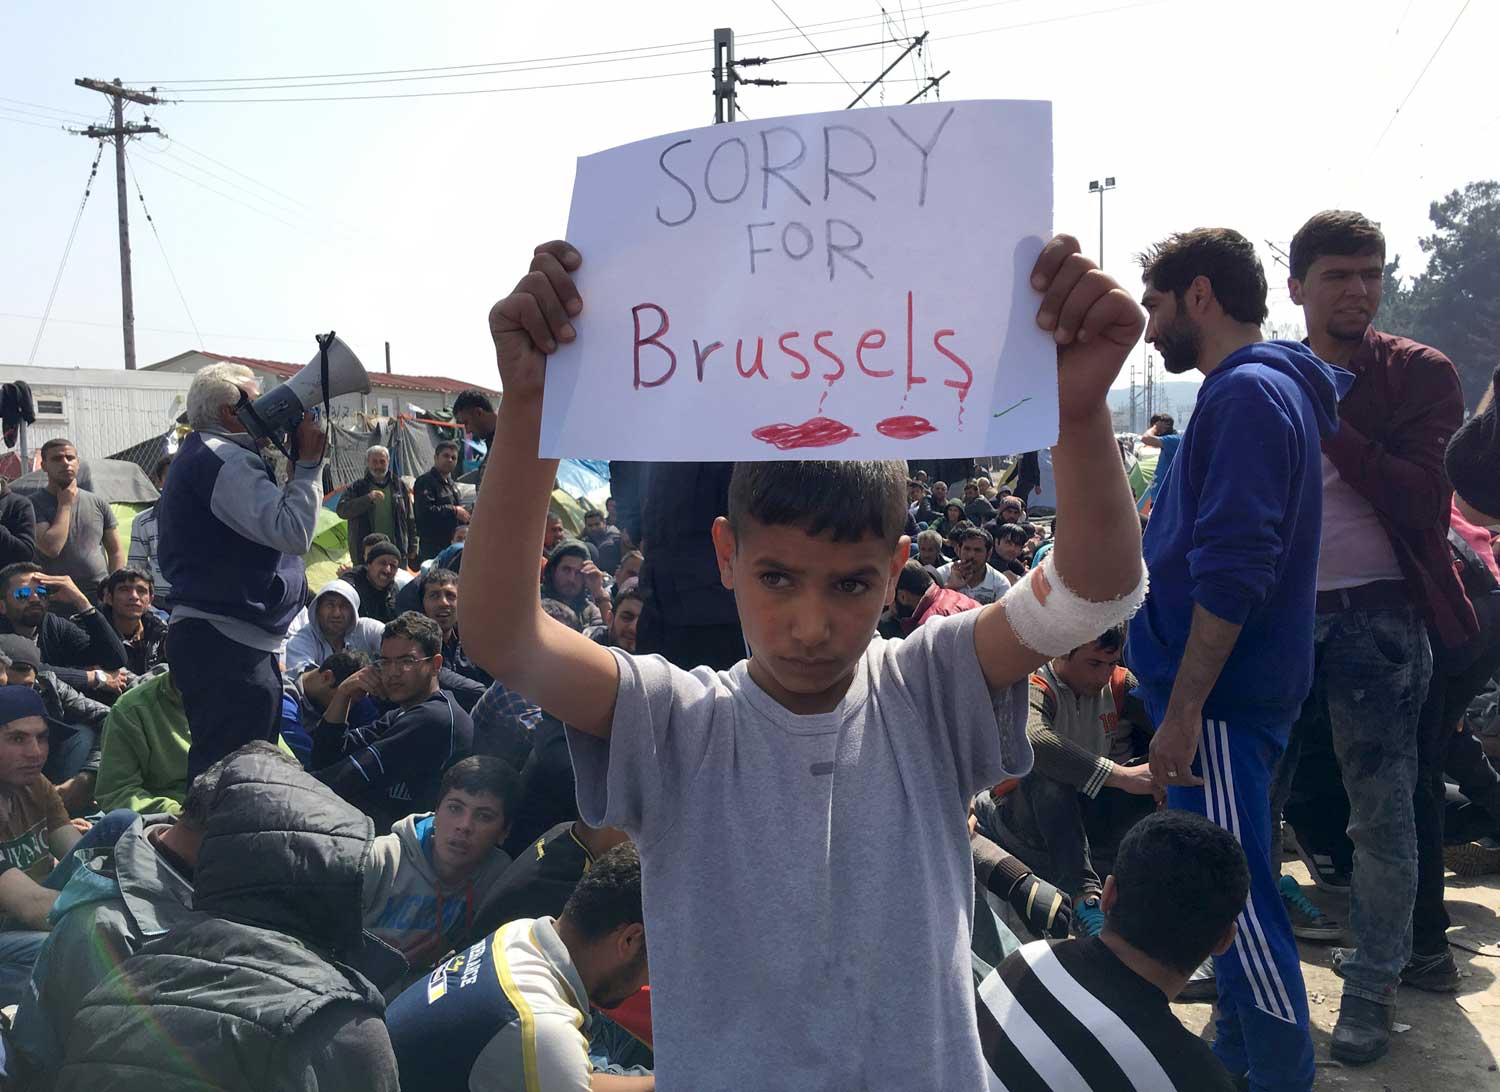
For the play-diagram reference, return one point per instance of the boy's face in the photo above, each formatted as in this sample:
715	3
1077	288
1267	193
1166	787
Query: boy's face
808	605
130	598
465	827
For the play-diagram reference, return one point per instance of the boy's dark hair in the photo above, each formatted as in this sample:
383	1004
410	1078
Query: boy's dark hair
435	576
846	500
975	532
198	803
1111	640
914	578
52	445
1013	532
609	894
419	629
1163	419
15	569
1224	256
124	575
444	445
472	399
345	663
1180	881
483	774
955	533
555	608
593	512
620	596
1342	234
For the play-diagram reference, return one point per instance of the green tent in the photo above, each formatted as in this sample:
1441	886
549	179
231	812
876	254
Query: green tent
330	546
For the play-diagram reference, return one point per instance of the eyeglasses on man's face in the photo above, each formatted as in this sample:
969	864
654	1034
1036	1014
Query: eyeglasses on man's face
26	591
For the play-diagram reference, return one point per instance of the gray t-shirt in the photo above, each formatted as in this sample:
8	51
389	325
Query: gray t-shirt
808	881
82	555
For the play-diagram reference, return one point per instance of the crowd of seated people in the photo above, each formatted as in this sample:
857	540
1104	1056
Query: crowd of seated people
422	878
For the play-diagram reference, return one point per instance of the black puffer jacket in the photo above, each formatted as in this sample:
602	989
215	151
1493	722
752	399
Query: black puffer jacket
252	997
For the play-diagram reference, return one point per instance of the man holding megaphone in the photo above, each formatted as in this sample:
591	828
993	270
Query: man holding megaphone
232	540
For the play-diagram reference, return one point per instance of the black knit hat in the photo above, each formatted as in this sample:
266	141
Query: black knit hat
382	549
1473	458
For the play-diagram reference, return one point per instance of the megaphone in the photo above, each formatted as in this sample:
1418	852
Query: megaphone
275	415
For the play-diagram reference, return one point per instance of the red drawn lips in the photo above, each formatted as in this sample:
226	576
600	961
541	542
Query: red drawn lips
816	432
905	428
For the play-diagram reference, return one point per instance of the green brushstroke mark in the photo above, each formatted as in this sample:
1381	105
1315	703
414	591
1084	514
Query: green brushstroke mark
1007	409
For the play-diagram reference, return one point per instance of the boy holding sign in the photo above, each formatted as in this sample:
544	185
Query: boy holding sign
801	818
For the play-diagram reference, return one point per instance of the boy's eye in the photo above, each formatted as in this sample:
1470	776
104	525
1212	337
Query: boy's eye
775	580
853	587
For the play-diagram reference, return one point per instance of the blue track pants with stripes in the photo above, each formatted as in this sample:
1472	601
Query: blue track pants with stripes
1262	1025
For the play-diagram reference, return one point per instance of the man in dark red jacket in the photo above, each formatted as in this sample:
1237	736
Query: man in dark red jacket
919	597
1385	582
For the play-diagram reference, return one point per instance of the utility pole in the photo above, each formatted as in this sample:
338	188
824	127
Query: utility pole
1100	188
916	43
119	133
930	85
724	76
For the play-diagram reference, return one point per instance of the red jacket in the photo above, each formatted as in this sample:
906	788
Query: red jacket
1394	425
939	603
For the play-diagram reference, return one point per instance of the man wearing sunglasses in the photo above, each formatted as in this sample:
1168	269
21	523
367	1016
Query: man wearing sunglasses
393	768
84	652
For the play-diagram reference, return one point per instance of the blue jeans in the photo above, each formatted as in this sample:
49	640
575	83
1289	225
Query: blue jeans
18	952
1370	678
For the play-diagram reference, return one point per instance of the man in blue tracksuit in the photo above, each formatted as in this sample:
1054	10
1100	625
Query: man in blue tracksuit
231	546
1223	647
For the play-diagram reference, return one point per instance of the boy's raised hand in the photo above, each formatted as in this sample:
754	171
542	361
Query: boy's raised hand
529	324
1093	320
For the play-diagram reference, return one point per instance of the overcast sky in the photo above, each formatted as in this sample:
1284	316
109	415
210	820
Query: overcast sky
402	219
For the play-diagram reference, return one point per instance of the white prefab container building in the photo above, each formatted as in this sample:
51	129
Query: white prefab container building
102	410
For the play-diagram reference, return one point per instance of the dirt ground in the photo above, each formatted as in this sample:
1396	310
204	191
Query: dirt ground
1452	1041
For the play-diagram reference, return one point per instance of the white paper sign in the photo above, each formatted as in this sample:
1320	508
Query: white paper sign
851	285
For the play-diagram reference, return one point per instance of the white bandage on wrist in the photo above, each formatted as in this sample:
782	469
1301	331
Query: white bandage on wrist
1050	618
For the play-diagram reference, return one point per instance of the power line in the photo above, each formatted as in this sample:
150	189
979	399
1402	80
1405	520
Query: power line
814	44
58	128
234	170
252	194
1417	82
662	49
470	91
153	329
168	261
47	109
159	166
88	188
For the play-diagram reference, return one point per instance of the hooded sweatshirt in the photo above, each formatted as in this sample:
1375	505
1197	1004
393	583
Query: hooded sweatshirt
405	903
1236	529
258	986
308	646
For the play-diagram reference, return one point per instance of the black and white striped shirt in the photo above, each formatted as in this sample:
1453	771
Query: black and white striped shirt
1068	1016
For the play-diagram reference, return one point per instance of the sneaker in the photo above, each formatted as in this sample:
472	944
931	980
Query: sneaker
1479	858
1435	973
1325	873
1308	922
1363	1031
1088	917
1201	984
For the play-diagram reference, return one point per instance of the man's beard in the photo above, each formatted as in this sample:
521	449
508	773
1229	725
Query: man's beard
1180	345
1346	330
